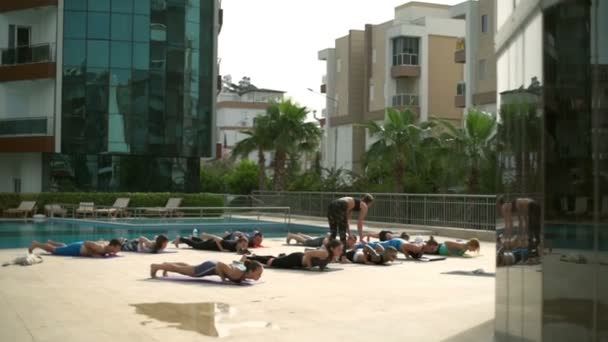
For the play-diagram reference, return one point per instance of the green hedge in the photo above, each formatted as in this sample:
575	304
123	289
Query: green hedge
11	200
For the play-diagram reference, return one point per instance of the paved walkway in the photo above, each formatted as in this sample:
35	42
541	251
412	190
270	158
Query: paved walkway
68	299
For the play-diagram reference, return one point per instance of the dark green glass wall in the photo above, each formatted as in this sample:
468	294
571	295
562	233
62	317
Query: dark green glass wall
138	83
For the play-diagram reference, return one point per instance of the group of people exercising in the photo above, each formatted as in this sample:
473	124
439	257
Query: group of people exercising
322	250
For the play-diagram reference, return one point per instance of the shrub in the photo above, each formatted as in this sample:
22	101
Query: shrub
138	199
243	179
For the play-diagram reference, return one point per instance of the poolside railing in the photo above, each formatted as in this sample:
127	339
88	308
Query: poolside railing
456	211
251	212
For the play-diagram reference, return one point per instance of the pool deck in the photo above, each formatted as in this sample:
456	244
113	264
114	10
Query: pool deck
69	299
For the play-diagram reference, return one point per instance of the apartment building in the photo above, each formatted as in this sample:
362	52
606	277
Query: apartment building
237	107
100	95
476	52
405	62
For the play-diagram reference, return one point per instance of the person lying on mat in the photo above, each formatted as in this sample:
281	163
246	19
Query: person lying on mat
451	248
255	238
214	243
385	235
408	249
81	248
314	258
234	273
369	256
145	245
306	240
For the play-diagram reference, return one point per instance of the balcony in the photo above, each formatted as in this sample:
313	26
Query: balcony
460	100
460	54
324	84
32	134
405	65
27	62
7	6
409	101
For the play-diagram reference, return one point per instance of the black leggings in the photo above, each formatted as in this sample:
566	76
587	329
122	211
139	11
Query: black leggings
203	245
293	260
337	213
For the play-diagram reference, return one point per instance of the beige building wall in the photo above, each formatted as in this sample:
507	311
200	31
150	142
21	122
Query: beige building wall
342	58
486	47
444	74
356	79
378	66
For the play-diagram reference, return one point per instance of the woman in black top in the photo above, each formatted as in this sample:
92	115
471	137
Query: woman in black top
218	245
314	258
340	211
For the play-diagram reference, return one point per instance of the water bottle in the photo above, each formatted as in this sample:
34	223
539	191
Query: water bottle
195	232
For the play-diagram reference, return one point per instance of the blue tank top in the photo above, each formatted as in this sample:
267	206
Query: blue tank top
396	243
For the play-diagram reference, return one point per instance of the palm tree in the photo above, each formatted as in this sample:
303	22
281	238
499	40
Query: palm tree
397	141
260	139
471	142
291	134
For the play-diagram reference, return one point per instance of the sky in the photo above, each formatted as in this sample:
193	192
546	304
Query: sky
276	42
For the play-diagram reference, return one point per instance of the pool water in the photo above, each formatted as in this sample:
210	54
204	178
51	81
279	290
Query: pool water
17	234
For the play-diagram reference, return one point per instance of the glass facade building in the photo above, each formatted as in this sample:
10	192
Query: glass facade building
138	95
552	247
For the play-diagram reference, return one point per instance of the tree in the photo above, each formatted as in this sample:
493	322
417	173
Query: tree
291	135
397	140
470	144
259	139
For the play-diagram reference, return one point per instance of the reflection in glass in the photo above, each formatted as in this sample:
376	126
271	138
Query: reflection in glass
98	53
99	5
121	55
141	56
98	25
74	52
122	6
121	27
75	5
141	28
74	24
97	76
141	7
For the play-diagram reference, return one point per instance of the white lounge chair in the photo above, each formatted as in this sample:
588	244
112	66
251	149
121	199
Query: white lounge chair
118	208
168	210
25	208
52	210
85	208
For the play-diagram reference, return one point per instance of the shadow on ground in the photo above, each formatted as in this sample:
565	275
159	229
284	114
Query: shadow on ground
482	332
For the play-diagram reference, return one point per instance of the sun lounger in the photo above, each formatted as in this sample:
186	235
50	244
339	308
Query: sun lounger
168	210
52	210
118	208
85	208
26	208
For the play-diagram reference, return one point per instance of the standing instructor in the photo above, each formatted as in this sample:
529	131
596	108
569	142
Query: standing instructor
339	213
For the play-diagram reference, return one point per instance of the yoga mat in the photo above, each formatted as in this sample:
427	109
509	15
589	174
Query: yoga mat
476	273
313	269
81	257
210	280
426	258
161	252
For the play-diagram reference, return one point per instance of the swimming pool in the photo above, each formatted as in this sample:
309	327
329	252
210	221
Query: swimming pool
17	234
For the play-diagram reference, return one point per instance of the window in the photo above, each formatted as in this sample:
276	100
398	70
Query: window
97	53
141	28
374	56
122	6
121	55
141	56
99	5
406	50
17	185
73	52
484	23
339	65
482	70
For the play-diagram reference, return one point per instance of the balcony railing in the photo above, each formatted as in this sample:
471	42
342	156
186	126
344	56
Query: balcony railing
31	126
405	59
404	100
29	54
